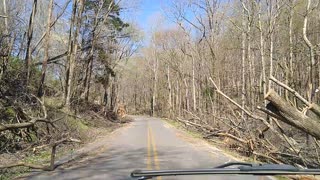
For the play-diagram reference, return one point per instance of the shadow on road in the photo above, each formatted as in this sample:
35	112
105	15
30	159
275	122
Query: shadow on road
115	163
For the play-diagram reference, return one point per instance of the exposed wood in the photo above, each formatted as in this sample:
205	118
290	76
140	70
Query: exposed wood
235	103
4	127
292	116
229	136
273	114
312	106
206	127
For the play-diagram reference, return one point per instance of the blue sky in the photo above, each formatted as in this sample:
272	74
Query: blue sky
148	10
148	15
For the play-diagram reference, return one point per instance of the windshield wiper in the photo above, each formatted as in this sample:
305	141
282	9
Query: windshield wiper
241	169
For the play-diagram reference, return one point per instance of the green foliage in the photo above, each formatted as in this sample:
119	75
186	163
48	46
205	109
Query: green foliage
14	77
118	24
10	112
77	124
42	157
15	64
95	4
207	92
114	21
7	174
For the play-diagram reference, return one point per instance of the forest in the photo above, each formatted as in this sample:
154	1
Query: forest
245	74
59	68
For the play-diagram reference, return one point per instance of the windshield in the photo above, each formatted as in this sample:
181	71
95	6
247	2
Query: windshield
172	89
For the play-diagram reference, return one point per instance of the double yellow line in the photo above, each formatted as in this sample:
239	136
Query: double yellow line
152	150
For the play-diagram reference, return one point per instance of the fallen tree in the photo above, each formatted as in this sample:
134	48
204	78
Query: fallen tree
31	121
312	106
27	121
285	112
273	140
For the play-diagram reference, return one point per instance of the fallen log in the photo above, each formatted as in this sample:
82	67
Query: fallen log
206	127
250	114
312	106
292	116
221	134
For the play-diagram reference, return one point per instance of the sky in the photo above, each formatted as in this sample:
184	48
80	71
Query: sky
148	15
149	9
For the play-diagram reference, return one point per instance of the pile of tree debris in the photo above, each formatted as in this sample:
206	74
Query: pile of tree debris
283	133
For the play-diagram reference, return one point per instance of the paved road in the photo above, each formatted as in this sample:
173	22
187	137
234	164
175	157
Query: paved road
148	143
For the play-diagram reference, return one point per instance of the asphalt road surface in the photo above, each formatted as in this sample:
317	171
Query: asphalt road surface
147	143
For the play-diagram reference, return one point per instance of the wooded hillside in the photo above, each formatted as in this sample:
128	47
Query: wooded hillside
59	68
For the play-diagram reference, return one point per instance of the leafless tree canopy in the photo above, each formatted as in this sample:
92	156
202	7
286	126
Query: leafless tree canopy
245	72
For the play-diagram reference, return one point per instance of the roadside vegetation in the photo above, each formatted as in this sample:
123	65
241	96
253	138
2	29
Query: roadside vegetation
59	71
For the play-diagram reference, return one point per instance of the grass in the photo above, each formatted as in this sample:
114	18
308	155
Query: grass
53	102
11	173
42	157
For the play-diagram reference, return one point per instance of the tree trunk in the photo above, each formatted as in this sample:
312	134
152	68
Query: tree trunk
291	39
114	94
264	81
29	39
70	52
292	116
73	37
88	78
271	32
243	57
46	51
194	86
169	91
187	105
155	81
6	32
312	83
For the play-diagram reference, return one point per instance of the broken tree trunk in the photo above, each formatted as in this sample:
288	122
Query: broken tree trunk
292	116
312	106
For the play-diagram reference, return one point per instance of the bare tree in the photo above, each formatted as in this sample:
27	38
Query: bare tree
46	51
29	39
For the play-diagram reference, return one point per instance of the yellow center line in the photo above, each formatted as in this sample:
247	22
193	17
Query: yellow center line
149	151
155	154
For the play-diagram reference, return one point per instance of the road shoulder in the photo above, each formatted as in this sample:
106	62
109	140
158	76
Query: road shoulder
195	139
86	152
